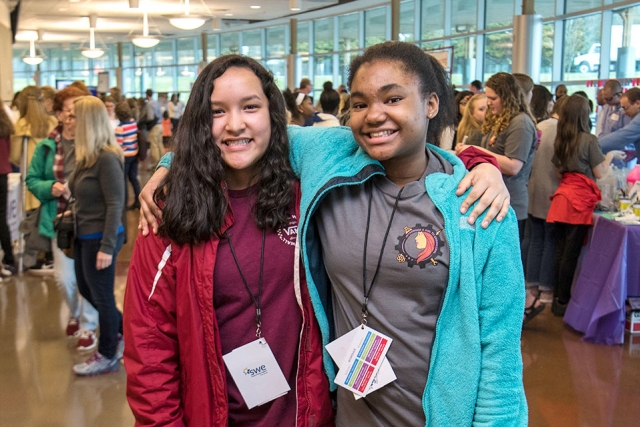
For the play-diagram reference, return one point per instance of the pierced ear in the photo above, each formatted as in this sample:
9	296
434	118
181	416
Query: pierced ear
433	105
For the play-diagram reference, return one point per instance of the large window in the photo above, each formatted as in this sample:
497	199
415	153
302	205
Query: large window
479	31
499	13
581	58
464	16
464	62
229	43
277	42
323	35
212	47
349	32
579	5
252	44
625	43
546	63
497	53
407	20
432	19
375	26
189	51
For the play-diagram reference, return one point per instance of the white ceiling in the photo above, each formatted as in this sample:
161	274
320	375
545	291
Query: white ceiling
67	20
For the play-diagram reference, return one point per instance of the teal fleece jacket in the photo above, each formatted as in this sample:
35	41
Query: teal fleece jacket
39	181
475	376
475	373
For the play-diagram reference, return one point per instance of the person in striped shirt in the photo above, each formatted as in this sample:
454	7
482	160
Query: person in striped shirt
127	137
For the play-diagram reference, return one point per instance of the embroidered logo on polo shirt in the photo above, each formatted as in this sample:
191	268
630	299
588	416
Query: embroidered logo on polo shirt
419	245
289	233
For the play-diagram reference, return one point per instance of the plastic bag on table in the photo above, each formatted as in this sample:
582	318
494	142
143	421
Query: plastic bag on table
608	186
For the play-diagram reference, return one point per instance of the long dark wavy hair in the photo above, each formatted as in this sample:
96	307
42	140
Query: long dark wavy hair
433	79
574	121
194	190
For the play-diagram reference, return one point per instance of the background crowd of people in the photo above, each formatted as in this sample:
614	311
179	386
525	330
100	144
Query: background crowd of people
83	151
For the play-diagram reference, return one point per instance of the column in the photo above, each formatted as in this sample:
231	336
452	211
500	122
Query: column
527	42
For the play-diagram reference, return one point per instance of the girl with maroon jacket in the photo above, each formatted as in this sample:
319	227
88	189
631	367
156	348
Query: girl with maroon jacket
224	269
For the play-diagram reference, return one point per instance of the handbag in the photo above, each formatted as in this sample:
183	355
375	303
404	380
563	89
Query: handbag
65	226
29	226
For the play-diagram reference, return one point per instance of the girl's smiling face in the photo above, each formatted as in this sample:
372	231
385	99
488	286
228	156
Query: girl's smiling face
389	114
241	123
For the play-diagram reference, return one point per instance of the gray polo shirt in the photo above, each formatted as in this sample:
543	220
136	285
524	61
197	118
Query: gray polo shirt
405	300
588	156
517	141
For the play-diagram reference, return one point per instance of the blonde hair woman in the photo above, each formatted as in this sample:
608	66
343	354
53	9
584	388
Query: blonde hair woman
34	123
472	119
98	186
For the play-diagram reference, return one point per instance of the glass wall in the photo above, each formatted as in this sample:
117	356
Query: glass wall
625	43
479	33
497	53
581	48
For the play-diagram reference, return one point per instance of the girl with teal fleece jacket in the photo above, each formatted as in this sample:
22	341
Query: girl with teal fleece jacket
468	330
475	373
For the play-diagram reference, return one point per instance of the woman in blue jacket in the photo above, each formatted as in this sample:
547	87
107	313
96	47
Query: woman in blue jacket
370	209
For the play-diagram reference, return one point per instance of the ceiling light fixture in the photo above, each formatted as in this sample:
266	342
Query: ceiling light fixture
187	21
215	23
145	41
33	59
255	7
92	52
295	4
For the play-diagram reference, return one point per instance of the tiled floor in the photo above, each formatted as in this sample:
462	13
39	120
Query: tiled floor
568	382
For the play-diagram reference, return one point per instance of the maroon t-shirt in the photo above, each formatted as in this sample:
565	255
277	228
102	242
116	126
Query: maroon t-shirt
235	311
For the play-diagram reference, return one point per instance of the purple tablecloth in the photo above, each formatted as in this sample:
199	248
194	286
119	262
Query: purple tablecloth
609	272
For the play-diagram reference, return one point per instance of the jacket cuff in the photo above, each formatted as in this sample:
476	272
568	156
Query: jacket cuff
472	157
165	161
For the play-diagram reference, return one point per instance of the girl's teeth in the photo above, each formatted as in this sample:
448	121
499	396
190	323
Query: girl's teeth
379	134
238	142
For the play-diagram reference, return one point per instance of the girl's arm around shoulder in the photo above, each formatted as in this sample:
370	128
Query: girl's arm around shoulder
501	400
151	353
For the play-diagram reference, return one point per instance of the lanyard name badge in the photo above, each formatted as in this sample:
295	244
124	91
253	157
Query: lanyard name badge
253	366
361	353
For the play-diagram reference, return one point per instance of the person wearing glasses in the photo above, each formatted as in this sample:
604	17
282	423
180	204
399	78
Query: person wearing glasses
613	119
52	165
630	134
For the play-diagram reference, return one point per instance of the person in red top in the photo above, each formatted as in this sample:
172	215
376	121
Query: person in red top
224	270
579	159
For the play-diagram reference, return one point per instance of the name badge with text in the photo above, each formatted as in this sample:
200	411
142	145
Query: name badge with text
256	372
338	350
363	359
614	117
